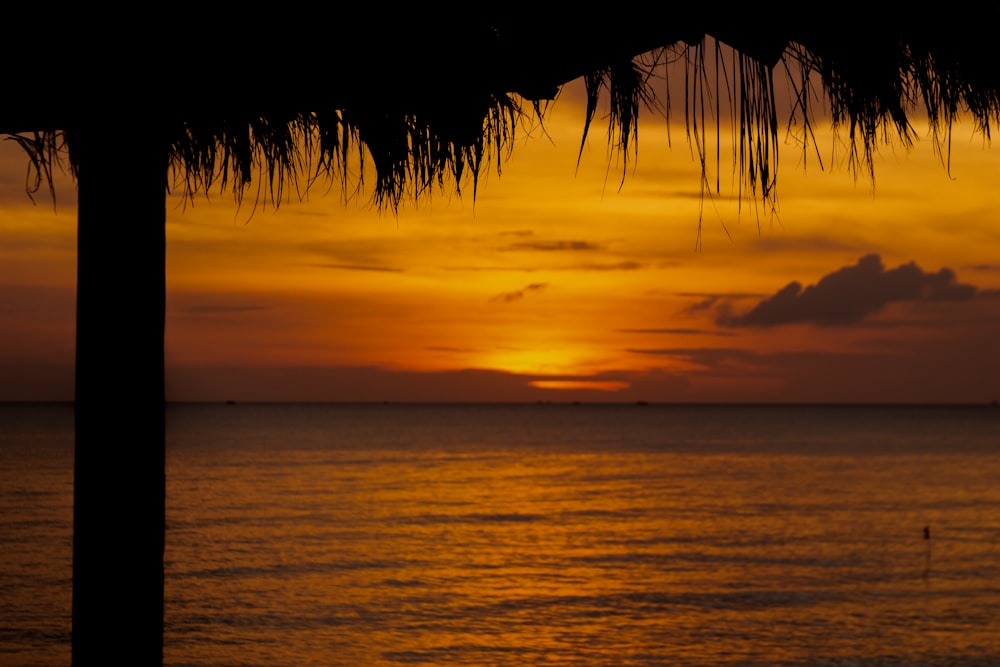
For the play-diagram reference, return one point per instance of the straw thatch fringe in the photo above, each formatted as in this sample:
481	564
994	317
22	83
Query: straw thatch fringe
869	87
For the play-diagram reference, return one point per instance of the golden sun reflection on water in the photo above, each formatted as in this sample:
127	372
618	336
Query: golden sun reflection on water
509	535
453	554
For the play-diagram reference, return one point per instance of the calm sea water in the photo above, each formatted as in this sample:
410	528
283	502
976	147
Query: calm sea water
378	535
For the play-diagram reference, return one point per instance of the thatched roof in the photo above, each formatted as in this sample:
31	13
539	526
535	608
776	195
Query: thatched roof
429	99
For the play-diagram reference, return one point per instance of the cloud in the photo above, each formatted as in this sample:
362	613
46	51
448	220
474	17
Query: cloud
706	357
984	267
360	267
507	297
720	304
553	246
617	266
679	332
624	265
349	255
850	294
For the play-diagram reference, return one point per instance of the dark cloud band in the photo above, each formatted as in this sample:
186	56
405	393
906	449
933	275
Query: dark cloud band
850	294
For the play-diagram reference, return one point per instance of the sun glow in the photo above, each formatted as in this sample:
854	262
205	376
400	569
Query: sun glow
596	385
544	359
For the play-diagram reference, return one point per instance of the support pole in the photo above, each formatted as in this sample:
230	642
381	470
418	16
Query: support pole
119	466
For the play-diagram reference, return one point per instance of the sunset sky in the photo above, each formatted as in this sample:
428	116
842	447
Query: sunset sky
556	284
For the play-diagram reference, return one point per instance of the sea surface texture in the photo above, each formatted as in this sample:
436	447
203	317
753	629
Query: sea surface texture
521	535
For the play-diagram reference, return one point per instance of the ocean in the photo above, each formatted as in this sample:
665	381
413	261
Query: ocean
554	534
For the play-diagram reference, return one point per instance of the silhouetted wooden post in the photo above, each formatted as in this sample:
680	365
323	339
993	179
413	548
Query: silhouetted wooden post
119	475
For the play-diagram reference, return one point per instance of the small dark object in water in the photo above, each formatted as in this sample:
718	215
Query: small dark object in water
927	532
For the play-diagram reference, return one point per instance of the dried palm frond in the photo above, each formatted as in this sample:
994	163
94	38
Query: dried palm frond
46	153
628	87
875	80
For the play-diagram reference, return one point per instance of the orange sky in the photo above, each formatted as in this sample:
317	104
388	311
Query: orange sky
556	285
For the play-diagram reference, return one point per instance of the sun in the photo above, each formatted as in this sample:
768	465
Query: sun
534	360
